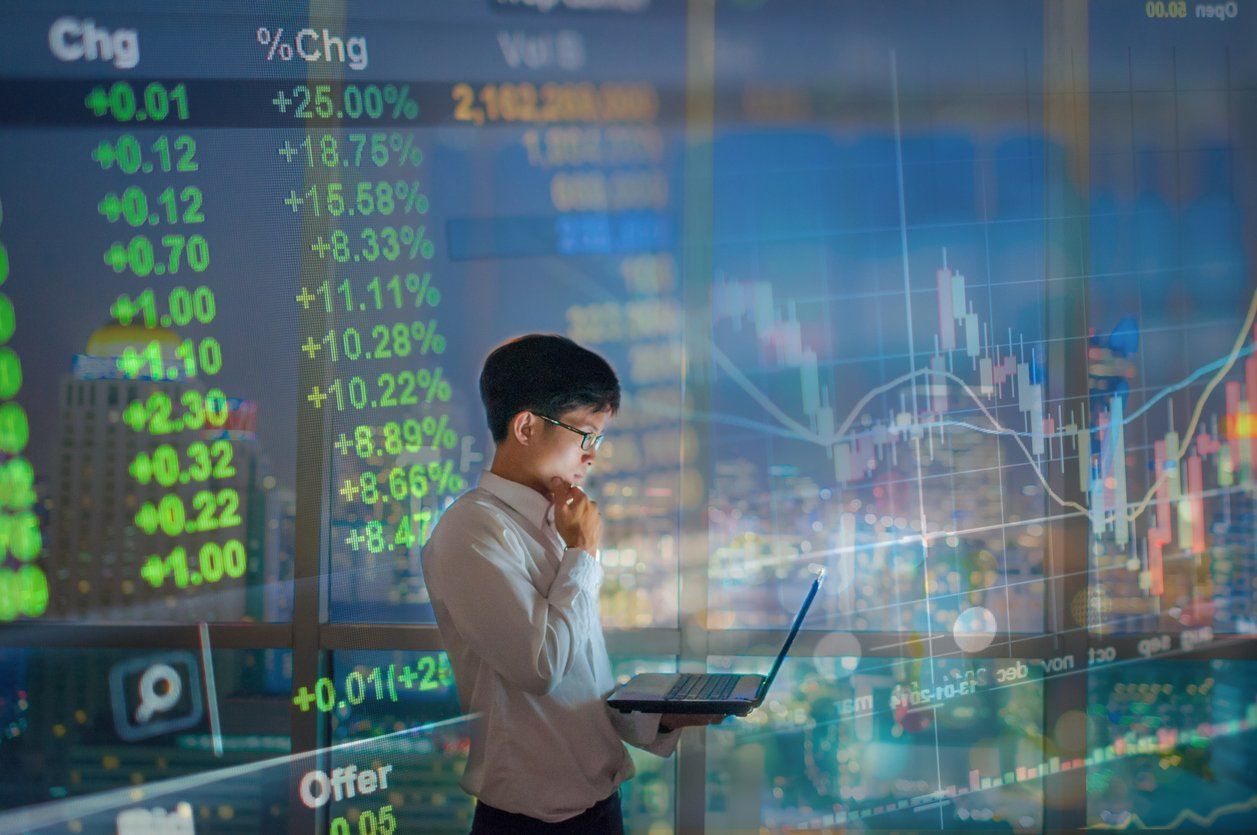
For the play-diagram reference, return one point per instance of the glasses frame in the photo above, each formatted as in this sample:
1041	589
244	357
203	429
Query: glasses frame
585	436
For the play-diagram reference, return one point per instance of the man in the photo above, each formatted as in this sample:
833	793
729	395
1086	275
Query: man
513	571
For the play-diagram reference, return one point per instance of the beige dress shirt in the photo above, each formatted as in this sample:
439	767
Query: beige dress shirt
520	620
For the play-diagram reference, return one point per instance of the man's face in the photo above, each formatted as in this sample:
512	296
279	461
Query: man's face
557	450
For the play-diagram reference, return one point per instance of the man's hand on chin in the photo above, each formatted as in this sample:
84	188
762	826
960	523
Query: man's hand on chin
576	517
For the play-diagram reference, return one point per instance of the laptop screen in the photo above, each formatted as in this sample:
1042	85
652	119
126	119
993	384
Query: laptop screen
794	630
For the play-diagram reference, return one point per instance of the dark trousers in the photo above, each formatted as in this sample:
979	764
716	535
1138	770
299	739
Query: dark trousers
603	818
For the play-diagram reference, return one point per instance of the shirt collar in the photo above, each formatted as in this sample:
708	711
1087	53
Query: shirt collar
534	506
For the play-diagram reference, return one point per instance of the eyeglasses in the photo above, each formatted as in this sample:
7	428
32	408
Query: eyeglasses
588	440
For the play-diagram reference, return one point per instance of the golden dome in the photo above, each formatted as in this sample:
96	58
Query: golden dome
112	339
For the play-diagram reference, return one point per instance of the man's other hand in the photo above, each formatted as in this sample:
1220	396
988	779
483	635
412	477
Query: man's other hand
673	721
576	516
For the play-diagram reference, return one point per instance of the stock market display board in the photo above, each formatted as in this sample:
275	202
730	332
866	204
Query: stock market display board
955	299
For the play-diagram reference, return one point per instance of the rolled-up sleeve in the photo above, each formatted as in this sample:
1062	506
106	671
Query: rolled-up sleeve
528	638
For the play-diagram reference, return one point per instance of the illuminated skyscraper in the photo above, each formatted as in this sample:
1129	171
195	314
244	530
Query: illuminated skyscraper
97	555
1233	571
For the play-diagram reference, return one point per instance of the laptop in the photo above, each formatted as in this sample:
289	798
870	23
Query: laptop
728	693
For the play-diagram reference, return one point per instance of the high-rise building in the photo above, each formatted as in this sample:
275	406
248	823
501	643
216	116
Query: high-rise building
97	554
1233	571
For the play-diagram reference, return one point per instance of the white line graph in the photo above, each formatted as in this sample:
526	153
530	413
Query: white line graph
840	433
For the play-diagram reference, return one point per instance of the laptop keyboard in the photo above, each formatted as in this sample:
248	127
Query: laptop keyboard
702	687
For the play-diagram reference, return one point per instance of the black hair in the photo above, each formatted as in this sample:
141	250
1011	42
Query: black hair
547	373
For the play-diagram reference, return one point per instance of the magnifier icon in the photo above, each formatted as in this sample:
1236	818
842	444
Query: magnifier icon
163	677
